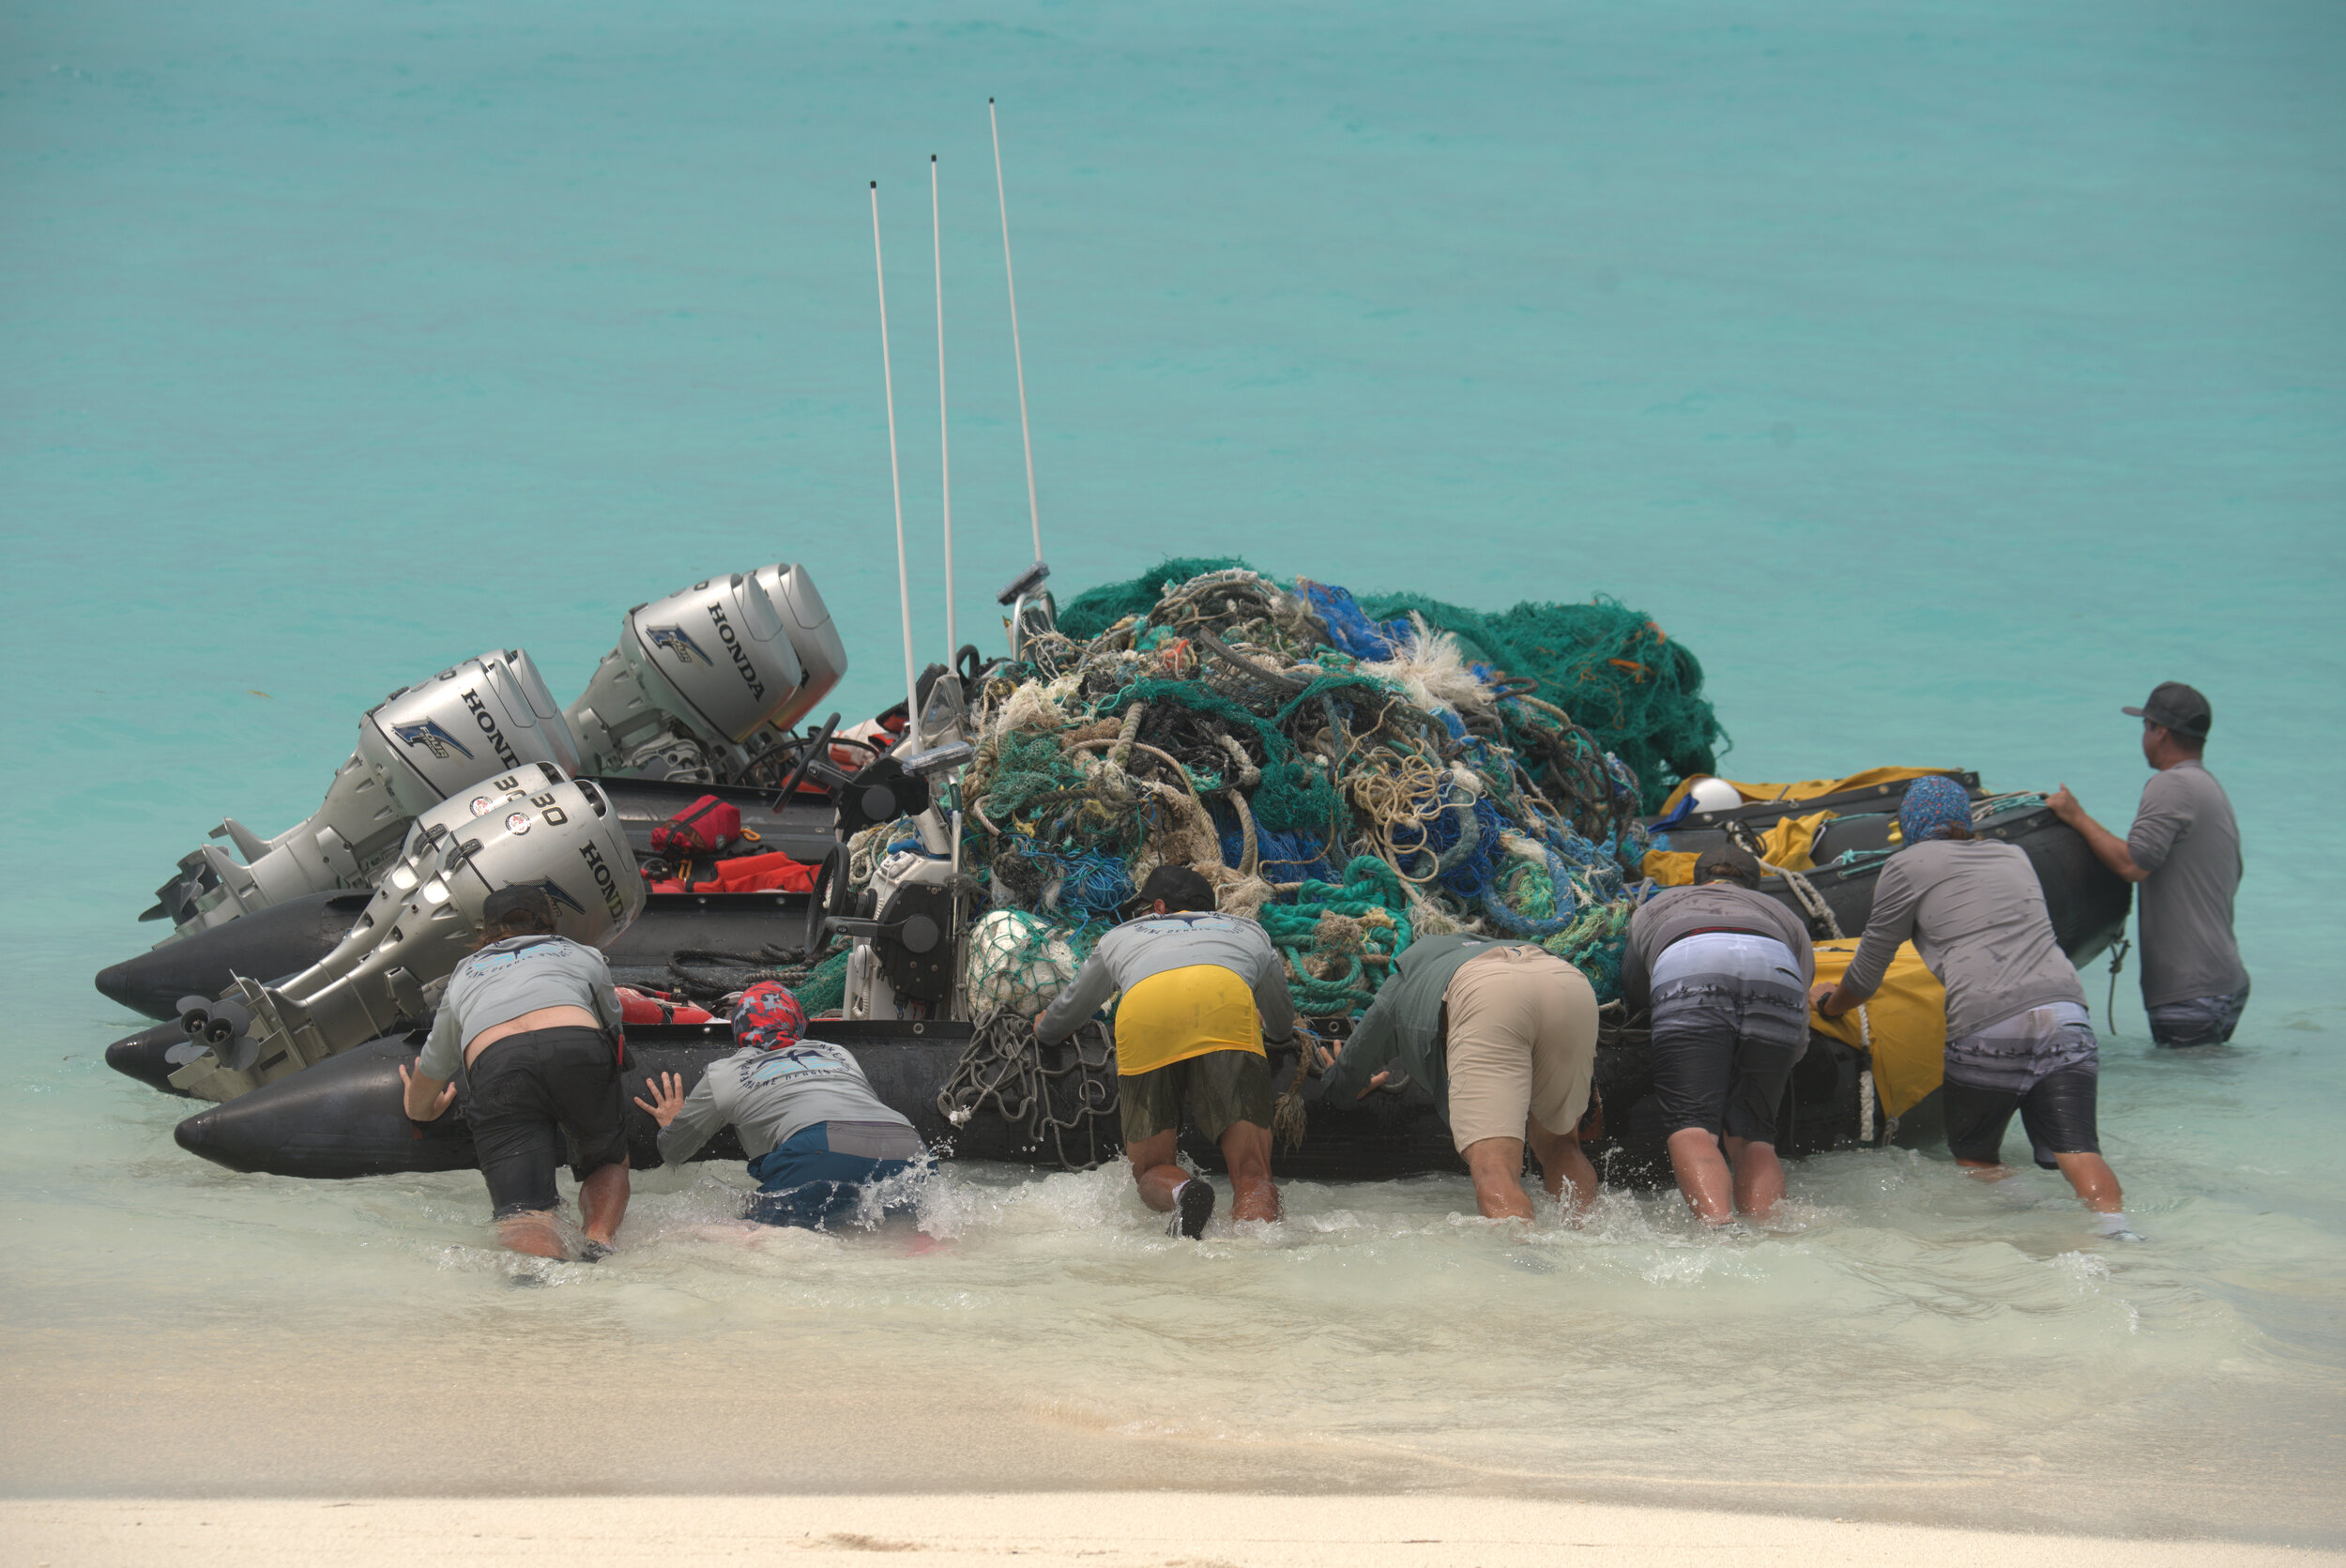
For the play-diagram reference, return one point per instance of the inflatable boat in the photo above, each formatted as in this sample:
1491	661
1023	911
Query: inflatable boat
340	1118
343	1119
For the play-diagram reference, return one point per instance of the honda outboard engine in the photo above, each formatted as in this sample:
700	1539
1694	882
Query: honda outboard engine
417	747
704	681
533	827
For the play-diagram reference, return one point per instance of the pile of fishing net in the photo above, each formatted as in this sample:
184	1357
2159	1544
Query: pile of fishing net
1353	776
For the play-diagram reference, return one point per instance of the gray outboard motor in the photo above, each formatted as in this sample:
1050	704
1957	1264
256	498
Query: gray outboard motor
417	747
704	681
533	827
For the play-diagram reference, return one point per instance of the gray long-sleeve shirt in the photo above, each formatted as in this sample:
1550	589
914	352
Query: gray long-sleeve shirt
1676	912
2185	837
1155	943
772	1096
1401	1024
507	979
1975	912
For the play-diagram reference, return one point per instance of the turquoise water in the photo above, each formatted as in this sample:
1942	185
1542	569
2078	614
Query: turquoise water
1944	376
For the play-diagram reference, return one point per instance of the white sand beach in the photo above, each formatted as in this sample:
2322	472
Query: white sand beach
1097	1529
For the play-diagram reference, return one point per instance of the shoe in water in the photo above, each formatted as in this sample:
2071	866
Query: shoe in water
595	1251
1193	1206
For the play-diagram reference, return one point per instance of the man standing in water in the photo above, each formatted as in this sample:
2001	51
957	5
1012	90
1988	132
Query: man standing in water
1504	1036
1199	989
531	1025
2183	848
1727	970
2018	1037
817	1136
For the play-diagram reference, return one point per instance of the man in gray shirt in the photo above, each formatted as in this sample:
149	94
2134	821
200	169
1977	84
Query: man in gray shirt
2183	849
530	1025
822	1146
1726	970
2018	1037
1199	990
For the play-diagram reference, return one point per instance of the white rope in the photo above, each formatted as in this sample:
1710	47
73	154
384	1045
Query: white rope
888	380
1034	512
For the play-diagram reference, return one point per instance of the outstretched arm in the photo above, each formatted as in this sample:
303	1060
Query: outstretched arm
1891	922
427	1098
1093	984
2108	848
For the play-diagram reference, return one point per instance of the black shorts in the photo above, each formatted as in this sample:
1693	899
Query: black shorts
1723	1050
2056	1112
530	1096
1220	1088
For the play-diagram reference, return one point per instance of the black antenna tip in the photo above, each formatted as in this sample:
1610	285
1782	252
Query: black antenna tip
931	157
989	100
876	185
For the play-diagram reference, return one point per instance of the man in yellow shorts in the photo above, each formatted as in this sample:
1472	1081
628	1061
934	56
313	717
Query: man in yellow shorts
1504	1036
1199	990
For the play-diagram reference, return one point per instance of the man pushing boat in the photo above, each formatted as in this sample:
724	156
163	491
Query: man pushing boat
2183	849
531	1026
2018	1035
1504	1036
819	1141
1726	970
1199	991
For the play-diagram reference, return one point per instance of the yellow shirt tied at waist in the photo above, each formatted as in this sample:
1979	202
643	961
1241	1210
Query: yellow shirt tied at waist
1904	1023
1185	1013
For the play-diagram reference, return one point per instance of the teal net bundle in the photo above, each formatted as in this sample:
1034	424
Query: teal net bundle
1353	774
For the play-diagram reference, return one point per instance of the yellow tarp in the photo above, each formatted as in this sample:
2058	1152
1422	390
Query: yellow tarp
1786	845
1808	789
1907	1020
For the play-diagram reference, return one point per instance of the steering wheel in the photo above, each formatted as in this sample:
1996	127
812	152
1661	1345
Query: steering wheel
819	746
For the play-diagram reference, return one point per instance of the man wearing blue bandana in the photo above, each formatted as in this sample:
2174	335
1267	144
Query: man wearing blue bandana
2018	1037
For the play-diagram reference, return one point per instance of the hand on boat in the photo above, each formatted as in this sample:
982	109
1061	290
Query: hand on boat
440	1106
1328	1054
667	1091
1817	996
2065	805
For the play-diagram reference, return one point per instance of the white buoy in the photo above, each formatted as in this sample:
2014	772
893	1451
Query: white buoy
1715	795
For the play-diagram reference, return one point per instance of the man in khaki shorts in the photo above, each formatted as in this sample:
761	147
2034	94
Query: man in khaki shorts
1504	1036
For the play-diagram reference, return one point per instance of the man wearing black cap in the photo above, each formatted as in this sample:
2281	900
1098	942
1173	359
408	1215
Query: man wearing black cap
1726	970
2183	848
1199	990
530	1025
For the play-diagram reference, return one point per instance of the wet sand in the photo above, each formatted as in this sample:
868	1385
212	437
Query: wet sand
1097	1530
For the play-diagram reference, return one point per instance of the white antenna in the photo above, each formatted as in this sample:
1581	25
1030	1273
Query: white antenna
888	380
1025	434
944	443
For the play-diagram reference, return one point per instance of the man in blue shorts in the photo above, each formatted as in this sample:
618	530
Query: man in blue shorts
818	1140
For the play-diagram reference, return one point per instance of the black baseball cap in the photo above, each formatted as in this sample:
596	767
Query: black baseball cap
1728	862
1178	886
505	902
2173	706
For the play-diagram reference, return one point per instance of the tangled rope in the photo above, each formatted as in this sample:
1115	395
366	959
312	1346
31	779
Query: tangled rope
1352	778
